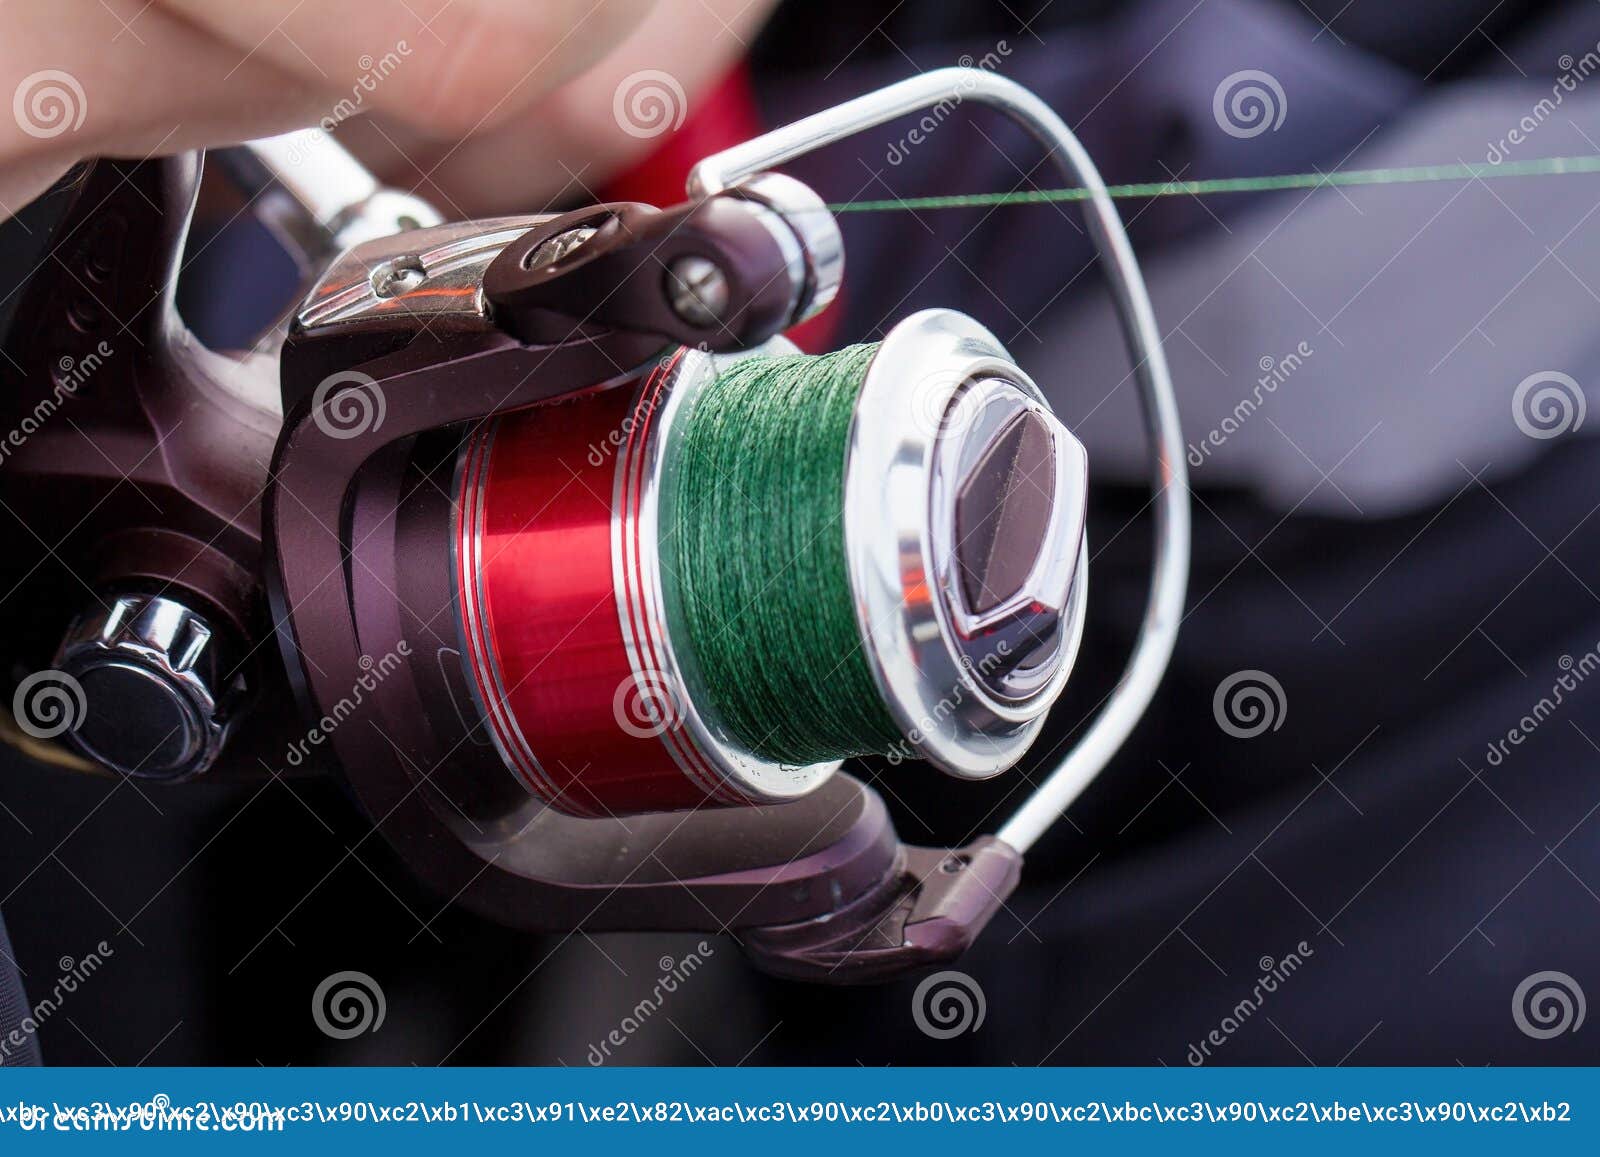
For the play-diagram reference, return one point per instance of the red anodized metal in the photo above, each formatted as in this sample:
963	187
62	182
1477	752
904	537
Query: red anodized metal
547	529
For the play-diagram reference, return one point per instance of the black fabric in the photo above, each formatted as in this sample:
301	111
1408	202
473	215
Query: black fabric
1139	926
19	1045
1372	826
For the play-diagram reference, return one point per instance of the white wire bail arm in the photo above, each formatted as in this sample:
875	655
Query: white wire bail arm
1169	476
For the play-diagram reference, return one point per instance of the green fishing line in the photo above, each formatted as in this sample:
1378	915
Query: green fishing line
1542	167
755	540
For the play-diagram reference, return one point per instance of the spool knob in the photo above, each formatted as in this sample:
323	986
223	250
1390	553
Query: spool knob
964	535
1007	511
150	671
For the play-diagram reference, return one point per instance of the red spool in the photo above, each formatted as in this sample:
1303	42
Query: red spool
547	567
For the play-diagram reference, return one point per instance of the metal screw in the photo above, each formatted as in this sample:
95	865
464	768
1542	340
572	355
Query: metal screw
398	275
697	290
555	248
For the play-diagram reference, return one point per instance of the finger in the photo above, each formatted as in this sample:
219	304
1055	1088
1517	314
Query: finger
574	140
90	79
449	67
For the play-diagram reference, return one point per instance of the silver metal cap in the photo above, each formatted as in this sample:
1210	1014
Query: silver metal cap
148	668
965	502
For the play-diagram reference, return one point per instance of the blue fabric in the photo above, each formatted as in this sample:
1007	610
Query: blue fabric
1420	308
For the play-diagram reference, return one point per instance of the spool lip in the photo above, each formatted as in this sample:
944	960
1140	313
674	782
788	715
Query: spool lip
899	545
647	632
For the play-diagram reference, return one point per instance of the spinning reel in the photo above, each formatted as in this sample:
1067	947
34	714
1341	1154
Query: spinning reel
582	577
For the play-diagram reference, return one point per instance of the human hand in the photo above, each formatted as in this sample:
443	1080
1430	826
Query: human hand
481	104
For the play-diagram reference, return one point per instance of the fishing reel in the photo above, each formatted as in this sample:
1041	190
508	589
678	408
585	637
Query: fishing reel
583	578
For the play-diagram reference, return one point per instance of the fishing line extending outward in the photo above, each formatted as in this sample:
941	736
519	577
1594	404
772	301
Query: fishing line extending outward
1417	174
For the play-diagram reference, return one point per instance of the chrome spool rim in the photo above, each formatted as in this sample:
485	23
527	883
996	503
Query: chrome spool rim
898	544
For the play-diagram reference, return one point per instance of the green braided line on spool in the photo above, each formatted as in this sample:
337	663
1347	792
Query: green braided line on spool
756	544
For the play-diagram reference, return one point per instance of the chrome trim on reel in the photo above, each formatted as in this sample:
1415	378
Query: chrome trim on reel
900	526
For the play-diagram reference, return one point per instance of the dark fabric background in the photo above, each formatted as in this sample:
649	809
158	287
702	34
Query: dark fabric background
14	1010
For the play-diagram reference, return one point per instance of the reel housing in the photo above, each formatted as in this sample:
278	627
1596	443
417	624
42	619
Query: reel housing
470	544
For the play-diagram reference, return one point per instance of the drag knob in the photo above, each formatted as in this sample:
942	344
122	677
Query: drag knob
1016	486
150	672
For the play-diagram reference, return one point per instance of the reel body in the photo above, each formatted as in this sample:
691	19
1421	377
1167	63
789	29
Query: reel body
588	582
